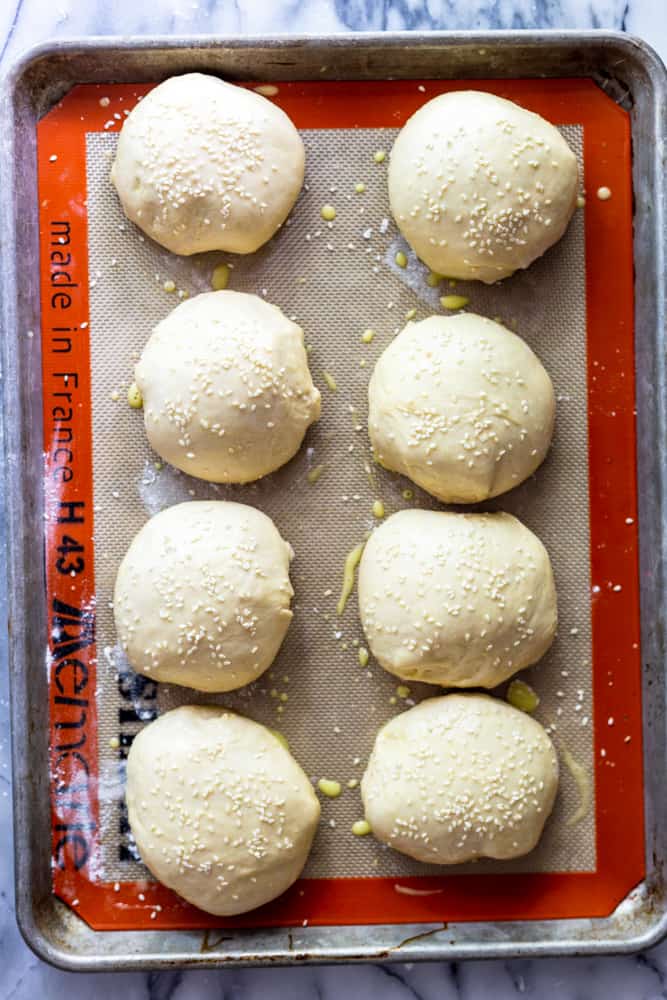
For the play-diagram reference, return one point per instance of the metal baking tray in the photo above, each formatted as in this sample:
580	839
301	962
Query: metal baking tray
631	73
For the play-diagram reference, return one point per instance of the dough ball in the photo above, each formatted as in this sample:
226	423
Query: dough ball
203	165
461	406
460	777
220	810
202	597
480	187
462	600
227	392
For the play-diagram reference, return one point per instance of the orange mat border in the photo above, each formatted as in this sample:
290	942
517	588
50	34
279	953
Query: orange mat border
613	548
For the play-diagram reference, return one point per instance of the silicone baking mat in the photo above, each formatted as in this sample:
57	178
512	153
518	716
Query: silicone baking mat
104	287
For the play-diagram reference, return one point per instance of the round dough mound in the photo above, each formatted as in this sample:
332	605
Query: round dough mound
480	187
462	600
227	392
220	810
462	407
203	165
202	597
460	777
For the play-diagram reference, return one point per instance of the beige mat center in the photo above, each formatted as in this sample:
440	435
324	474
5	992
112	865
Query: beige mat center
335	280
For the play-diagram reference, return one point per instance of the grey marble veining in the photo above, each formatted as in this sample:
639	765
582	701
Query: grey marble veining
26	22
22	976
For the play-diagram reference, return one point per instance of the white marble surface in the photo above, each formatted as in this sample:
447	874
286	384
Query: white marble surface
22	976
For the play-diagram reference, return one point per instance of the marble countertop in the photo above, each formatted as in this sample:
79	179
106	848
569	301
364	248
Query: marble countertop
23	23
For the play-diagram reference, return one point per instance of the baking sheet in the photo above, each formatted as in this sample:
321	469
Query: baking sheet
335	280
631	74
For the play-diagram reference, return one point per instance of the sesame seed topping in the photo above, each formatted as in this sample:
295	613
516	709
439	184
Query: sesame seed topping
460	777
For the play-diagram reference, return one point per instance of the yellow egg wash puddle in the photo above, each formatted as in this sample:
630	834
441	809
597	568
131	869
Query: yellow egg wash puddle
580	775
331	789
134	397
352	560
361	828
521	695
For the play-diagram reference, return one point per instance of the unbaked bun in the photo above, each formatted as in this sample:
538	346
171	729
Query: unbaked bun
220	810
202	597
226	389
460	777
462	600
462	406
203	165
480	187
